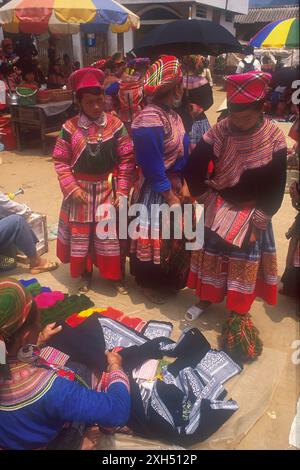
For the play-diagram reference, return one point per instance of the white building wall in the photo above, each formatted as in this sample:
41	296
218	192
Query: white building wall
112	42
237	6
227	24
128	41
77	48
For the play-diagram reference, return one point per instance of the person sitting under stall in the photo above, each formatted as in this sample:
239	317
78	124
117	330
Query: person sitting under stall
15	233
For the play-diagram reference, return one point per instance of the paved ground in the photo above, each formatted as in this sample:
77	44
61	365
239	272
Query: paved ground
269	428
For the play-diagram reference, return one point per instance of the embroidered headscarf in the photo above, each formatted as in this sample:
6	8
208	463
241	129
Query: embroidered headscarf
15	305
246	88
163	74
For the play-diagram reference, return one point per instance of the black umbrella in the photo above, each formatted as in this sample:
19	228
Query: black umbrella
185	37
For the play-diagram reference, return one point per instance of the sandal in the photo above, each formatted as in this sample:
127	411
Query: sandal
194	312
50	266
121	287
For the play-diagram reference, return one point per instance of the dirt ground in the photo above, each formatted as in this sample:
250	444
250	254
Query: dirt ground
267	424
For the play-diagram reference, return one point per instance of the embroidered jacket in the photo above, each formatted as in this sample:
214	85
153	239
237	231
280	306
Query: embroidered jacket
160	144
37	402
249	169
113	152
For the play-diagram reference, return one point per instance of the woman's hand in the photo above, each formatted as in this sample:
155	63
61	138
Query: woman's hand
171	198
114	361
47	333
185	192
79	196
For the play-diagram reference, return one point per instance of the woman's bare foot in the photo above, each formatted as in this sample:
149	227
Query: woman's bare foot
85	283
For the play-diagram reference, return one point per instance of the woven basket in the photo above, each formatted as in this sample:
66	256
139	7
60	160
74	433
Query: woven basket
27	95
43	96
60	95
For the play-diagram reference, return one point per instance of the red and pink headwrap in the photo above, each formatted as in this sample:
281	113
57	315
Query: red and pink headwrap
246	88
165	71
88	77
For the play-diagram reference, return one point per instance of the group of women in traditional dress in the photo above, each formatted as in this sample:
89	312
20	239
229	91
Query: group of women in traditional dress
236	169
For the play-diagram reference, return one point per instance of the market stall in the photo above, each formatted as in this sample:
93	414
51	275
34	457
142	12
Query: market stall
47	113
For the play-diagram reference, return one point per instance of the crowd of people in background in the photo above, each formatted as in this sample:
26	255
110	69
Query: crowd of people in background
20	64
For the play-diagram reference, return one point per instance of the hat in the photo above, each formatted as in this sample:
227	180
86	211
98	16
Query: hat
15	305
247	88
164	72
88	77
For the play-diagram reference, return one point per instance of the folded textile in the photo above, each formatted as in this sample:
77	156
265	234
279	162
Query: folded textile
48	299
229	222
64	308
189	406
54	356
84	344
132	322
155	329
33	286
28	282
186	404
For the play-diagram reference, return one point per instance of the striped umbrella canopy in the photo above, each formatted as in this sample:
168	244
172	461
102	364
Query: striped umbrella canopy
65	16
279	34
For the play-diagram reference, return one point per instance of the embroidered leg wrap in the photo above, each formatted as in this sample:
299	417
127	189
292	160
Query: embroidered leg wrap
240	337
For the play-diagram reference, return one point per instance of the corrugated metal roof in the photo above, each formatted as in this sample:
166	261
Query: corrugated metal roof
266	15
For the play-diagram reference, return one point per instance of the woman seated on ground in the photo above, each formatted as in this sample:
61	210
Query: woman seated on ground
16	234
47	396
